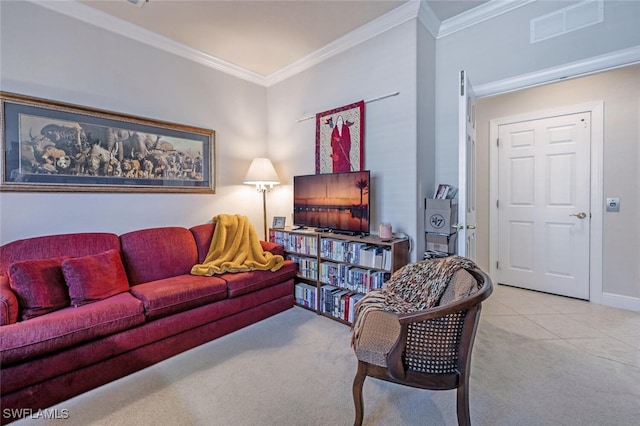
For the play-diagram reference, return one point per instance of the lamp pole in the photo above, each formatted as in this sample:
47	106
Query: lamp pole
264	211
262	174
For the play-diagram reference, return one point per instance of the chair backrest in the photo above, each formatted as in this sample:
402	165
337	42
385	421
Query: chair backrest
440	340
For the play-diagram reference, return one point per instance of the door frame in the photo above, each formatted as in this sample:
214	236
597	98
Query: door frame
466	115
596	187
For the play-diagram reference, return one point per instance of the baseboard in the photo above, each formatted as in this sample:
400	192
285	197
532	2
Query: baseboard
621	302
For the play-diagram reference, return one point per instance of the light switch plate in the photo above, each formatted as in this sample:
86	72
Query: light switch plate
613	204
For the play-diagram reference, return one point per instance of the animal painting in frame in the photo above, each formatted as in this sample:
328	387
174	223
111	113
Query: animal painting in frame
60	147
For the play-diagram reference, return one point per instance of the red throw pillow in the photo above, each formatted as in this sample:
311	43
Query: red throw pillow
39	285
96	277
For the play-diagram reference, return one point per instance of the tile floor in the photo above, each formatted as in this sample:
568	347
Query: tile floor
598	330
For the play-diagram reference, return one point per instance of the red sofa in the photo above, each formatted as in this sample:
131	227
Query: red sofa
80	310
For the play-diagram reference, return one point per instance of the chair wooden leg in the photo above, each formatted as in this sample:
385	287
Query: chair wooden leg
464	419
358	382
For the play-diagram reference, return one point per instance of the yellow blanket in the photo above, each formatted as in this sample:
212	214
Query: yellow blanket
235	247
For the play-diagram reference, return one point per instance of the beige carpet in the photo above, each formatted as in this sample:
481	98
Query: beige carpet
296	368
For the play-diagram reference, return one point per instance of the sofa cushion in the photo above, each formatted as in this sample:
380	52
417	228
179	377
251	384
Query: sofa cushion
39	286
240	283
151	255
203	234
50	246
95	277
170	295
69	326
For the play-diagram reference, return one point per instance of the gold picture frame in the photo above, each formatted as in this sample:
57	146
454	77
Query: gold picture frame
59	147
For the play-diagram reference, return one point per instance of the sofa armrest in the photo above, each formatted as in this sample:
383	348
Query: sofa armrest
272	247
8	303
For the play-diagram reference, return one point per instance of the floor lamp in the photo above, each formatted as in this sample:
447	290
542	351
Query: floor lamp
262	174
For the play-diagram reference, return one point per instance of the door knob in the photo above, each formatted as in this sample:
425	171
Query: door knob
457	226
580	215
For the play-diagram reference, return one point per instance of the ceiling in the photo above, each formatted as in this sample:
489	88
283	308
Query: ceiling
260	36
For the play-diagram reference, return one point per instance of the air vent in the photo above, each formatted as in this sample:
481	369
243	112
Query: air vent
572	18
138	3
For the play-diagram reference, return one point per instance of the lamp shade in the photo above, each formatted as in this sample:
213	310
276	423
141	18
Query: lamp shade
261	171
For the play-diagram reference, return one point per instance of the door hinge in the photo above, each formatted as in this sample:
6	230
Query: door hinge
497	265
498	204
498	142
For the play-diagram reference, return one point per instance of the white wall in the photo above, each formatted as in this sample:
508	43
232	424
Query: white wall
426	138
382	65
48	55
499	49
52	56
620	92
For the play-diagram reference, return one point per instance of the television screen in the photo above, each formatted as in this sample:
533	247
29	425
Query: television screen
337	202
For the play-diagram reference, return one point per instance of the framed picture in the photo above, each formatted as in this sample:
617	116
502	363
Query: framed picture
54	146
278	222
340	139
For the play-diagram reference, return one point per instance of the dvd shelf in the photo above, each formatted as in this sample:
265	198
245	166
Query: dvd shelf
335	271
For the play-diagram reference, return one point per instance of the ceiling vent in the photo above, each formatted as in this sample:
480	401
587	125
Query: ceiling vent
138	3
572	18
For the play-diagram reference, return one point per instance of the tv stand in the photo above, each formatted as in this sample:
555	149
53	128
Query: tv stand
335	269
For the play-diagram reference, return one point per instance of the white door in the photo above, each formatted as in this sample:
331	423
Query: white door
544	204
466	226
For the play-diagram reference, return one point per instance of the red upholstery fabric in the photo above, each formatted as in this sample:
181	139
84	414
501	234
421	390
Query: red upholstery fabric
272	247
151	254
8	303
21	375
72	245
67	327
246	282
63	387
39	286
56	356
203	235
168	296
94	277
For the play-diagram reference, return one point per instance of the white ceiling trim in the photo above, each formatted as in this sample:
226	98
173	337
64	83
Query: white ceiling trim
395	17
410	10
618	59
111	23
428	18
479	14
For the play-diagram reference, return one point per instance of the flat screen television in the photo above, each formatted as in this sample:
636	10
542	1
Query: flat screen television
335	202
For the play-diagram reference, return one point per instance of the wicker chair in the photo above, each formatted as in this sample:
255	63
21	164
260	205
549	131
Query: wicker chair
429	349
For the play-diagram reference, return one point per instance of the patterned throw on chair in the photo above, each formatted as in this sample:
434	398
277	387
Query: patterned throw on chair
414	287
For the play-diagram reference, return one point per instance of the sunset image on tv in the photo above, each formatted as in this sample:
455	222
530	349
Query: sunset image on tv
336	201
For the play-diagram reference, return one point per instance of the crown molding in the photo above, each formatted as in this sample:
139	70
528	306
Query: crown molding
428	19
478	14
412	9
110	23
609	61
397	16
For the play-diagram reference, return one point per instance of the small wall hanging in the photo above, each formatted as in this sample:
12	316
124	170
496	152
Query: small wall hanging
340	139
